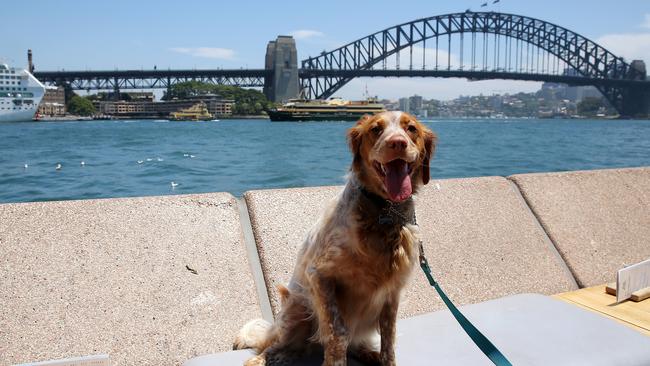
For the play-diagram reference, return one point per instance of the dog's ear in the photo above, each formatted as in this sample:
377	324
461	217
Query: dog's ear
354	134
429	147
354	140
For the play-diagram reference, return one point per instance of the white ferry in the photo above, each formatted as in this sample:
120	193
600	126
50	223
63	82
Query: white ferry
333	109
20	94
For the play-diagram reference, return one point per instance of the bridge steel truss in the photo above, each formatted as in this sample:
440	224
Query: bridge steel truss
150	79
323	75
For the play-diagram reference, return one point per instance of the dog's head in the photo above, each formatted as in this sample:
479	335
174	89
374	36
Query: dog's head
392	151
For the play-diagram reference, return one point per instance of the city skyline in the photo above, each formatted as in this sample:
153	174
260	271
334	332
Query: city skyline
204	35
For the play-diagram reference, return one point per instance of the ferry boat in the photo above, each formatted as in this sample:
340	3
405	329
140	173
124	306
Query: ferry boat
333	109
20	94
197	112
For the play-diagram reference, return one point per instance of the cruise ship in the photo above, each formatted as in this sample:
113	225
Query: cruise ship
333	109
20	94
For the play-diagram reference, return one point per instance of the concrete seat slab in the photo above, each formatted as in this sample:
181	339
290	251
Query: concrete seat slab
529	329
481	240
113	276
599	220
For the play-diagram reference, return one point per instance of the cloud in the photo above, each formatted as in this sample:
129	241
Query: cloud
631	46
207	52
646	23
306	34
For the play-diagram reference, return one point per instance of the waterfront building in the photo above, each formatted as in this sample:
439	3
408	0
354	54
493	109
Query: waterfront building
53	102
404	105
216	105
415	103
149	109
120	108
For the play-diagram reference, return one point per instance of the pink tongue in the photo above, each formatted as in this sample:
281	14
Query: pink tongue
397	180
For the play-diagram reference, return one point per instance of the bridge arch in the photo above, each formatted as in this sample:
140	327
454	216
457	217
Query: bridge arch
589	61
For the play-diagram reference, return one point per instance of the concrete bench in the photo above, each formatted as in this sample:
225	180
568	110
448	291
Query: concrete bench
115	276
531	330
481	240
111	277
599	220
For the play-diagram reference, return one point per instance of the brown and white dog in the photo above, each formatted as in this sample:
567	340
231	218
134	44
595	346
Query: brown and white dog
358	256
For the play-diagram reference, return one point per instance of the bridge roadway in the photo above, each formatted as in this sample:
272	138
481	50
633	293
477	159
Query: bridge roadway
152	79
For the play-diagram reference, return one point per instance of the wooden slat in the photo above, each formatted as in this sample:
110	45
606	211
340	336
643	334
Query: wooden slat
632	314
640	295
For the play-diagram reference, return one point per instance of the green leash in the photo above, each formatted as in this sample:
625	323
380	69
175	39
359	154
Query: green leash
477	337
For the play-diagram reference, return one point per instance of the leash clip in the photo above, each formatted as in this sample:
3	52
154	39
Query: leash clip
423	260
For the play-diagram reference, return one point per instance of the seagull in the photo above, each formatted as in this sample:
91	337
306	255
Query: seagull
159	159
186	155
58	166
483	5
191	156
174	185
149	159
140	161
495	1
26	166
83	163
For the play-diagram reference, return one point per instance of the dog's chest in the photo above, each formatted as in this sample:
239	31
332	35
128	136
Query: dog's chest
384	259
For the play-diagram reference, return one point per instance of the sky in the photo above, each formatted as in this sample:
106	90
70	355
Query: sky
121	34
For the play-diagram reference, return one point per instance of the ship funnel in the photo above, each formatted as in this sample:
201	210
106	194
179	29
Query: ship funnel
30	63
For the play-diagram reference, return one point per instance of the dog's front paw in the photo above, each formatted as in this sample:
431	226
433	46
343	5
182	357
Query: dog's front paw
387	360
367	357
258	360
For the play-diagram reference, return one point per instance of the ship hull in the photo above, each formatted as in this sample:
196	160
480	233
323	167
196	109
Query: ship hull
18	116
288	116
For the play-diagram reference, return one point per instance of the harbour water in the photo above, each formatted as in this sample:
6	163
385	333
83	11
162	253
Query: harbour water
143	158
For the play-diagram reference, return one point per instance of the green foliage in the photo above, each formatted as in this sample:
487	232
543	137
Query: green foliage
590	106
80	106
247	101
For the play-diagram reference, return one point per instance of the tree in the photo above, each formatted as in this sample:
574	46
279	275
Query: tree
247	101
80	106
590	106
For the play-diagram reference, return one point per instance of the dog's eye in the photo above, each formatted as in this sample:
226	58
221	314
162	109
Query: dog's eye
412	128
376	130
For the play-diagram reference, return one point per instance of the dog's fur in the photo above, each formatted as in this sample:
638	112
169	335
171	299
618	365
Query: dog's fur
351	268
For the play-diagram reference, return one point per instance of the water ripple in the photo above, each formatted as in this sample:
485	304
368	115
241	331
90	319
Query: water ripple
236	156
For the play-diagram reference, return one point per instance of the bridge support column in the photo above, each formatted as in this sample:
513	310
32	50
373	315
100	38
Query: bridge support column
282	59
635	103
636	100
116	89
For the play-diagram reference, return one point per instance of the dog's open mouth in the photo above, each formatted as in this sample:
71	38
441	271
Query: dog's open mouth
397	178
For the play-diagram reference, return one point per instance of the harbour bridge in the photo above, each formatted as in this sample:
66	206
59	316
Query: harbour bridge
471	45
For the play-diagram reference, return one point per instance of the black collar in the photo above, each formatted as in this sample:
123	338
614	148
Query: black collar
391	213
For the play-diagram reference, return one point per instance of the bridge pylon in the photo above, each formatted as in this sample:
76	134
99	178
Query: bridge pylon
635	100
282	61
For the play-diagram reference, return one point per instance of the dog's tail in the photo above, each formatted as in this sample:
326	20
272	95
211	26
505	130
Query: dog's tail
254	334
257	333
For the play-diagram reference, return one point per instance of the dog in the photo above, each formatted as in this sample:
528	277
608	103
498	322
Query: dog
346	285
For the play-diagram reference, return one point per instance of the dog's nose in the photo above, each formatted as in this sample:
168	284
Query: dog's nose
397	142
